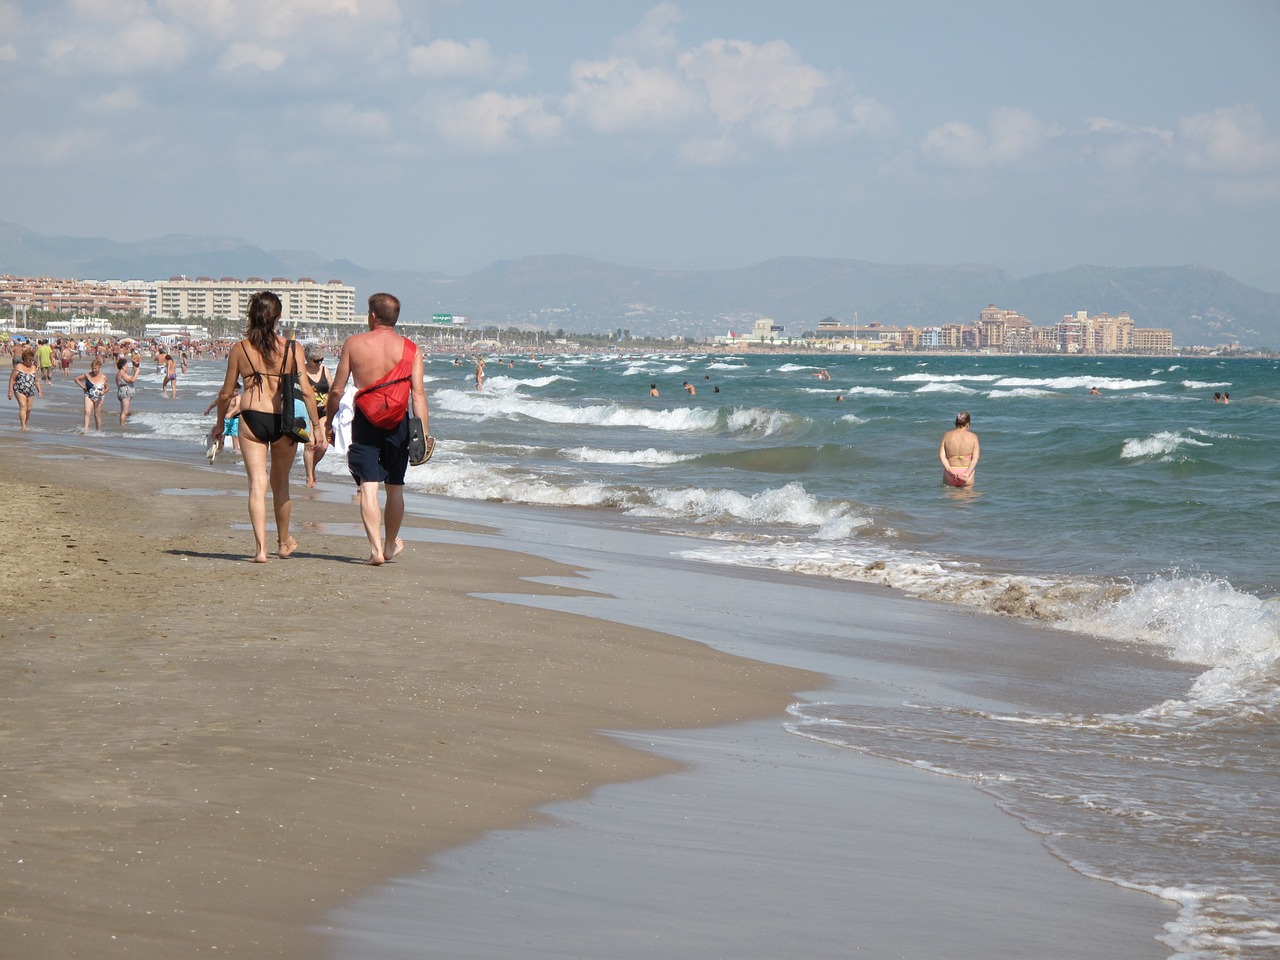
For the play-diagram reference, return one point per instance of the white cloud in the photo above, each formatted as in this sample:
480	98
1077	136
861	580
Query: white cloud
281	19
348	120
619	95
1231	141
1120	146
742	79
242	57
452	58
654	36
492	122
134	46
1012	135
120	100
709	152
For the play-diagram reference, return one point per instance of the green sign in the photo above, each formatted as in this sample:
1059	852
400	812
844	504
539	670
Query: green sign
442	318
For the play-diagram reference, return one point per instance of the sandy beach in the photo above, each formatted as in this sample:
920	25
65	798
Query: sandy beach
206	757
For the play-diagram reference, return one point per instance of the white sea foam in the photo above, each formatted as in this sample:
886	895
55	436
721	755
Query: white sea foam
794	367
1200	621
1078	383
947	387
649	457
511	406
948	378
871	392
758	422
1020	392
1163	445
790	505
508	383
1204	385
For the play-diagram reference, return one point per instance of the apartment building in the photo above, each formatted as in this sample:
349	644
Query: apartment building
304	301
180	298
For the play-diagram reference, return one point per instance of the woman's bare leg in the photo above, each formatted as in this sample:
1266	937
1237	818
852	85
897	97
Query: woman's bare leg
283	453
255	467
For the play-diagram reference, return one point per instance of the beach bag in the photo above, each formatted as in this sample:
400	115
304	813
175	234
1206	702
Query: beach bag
386	403
293	408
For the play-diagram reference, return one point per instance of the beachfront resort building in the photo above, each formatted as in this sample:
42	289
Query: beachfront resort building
180	298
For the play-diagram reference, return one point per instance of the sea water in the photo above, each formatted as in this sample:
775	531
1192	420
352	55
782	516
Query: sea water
1143	514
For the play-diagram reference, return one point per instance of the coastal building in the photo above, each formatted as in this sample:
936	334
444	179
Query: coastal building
304	301
180	298
60	295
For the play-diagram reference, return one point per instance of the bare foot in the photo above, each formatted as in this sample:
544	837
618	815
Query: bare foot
311	481
260	558
287	547
397	548
375	560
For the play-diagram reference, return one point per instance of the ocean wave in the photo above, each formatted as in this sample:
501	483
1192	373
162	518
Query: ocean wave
501	382
789	505
759	422
1201	621
606	415
1204	385
650	457
1078	383
1019	392
947	387
947	378
1162	445
794	367
872	392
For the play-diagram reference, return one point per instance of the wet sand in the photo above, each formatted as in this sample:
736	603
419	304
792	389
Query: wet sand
206	757
202	756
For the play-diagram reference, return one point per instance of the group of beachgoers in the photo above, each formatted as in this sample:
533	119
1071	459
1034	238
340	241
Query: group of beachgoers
255	406
34	365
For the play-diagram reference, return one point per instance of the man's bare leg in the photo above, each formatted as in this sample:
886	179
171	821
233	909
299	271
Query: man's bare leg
371	514
393	517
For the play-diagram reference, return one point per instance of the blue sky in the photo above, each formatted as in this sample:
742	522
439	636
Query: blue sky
691	135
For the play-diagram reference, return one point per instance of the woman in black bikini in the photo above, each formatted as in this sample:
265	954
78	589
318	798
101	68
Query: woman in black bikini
257	361
319	377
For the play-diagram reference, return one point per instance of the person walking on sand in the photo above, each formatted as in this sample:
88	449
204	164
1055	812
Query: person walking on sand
257	361
24	383
959	453
95	385
387	369
318	374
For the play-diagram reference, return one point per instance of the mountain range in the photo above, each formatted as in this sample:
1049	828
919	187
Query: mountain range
577	294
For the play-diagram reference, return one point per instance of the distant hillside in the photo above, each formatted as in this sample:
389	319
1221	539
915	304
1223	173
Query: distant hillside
1200	305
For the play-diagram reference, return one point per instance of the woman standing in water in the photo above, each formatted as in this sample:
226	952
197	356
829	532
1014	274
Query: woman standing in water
124	387
959	453
257	361
94	384
24	383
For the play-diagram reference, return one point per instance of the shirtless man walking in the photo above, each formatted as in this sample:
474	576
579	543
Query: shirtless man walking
378	455
959	453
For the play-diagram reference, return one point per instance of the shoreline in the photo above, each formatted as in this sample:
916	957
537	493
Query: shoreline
201	756
187	776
